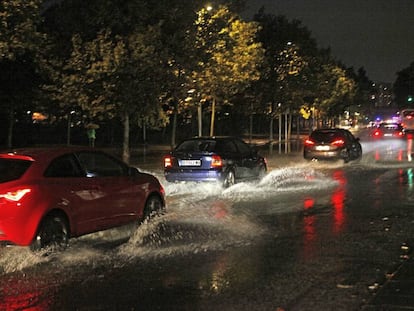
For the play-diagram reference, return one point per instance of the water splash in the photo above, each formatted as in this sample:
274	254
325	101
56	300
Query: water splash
200	217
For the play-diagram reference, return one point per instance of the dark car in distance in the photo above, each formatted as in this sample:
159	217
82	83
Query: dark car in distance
388	130
48	195
332	143
221	159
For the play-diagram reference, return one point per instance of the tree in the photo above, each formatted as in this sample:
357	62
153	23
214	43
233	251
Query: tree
364	89
229	56
117	71
18	28
115	76
177	39
288	68
20	42
336	92
404	87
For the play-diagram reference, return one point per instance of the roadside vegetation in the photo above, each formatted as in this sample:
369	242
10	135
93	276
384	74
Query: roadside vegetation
140	71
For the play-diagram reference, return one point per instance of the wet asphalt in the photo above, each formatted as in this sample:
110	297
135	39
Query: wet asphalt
394	290
397	290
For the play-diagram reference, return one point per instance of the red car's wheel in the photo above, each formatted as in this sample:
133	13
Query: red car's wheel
153	207
52	235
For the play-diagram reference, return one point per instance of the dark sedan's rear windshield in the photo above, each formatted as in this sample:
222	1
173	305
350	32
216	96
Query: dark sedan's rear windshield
196	146
391	126
408	113
326	135
12	169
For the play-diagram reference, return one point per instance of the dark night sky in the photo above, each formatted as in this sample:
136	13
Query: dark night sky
375	34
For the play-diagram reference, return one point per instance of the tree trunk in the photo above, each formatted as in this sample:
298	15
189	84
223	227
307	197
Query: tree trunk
271	136
213	115
125	145
290	125
271	130
174	128
280	131
144	132
200	119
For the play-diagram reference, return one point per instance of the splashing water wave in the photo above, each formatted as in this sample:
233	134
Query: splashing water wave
200	217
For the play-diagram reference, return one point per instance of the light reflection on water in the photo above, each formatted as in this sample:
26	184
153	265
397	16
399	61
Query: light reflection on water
337	199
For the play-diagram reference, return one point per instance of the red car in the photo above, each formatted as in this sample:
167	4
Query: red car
50	195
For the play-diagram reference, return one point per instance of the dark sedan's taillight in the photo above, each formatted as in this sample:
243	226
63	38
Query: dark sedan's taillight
309	142
168	161
216	161
377	133
338	143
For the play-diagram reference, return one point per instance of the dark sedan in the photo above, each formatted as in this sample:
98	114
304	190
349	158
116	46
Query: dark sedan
223	159
333	143
388	130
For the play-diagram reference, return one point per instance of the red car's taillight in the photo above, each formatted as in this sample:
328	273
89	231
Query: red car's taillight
377	133
216	161
168	161
16	195
338	142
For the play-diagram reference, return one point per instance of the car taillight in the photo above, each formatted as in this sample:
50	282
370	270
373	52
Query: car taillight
167	161
309	142
338	142
16	195
216	161
377	133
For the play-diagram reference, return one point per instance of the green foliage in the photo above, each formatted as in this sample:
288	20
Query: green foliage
20	44
113	74
18	28
229	55
337	91
404	87
297	75
137	58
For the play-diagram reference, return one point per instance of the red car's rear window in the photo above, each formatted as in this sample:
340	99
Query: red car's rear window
12	169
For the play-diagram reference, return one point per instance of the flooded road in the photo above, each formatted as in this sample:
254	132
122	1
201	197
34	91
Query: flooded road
309	236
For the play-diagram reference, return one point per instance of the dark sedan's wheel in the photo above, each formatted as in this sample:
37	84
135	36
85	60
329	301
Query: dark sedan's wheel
229	179
345	155
53	234
153	207
359	152
262	172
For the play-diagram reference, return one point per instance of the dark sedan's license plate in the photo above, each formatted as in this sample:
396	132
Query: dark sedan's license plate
322	148
189	162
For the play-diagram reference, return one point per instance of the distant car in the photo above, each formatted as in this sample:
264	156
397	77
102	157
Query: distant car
407	120
50	195
333	143
388	130
221	159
